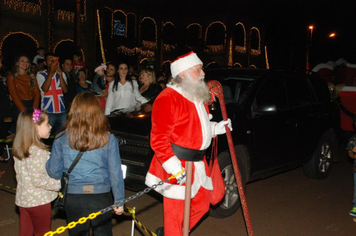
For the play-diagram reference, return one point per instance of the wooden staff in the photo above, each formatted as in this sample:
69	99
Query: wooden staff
216	90
188	188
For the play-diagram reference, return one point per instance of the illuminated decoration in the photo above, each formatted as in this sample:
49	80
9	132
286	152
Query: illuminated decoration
256	51
69	15
214	49
167	61
49	24
200	28
63	40
68	40
119	28
144	59
166	23
236	64
168	47
230	60
134	51
239	48
26	7
212	23
267	63
148	44
100	37
18	32
252	66
210	63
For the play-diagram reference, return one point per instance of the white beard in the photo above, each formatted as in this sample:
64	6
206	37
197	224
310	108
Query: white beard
195	90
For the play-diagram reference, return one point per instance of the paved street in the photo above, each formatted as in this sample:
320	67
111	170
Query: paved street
288	204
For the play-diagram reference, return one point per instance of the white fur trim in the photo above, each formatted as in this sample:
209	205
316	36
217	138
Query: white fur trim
322	66
171	164
341	61
184	62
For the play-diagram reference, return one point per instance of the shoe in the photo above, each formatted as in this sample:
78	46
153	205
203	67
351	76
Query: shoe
159	231
353	212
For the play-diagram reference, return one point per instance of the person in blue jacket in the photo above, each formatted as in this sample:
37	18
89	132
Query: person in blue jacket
97	178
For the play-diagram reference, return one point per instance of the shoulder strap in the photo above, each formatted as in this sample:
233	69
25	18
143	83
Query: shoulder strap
80	154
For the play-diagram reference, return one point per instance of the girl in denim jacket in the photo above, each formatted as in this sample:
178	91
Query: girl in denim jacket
97	178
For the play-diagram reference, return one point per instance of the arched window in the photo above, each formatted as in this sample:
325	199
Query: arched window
240	38
119	23
149	33
169	33
131	26
148	29
16	43
194	34
65	49
255	38
216	34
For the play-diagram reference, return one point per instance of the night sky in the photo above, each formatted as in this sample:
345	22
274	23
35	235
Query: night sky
285	24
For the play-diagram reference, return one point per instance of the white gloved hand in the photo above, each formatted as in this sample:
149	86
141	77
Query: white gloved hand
181	177
220	127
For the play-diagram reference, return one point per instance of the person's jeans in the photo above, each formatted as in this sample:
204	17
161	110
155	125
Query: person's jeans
57	121
81	205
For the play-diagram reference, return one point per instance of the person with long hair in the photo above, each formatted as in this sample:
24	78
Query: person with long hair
97	172
23	89
35	189
149	88
123	93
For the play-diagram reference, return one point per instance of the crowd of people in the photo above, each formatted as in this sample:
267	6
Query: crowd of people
63	100
51	83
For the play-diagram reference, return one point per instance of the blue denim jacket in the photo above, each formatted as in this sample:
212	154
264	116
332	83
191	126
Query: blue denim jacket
97	171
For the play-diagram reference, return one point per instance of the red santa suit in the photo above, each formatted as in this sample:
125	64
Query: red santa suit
185	123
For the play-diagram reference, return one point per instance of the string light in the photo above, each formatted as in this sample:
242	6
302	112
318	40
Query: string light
213	23
237	64
69	15
239	48
230	60
135	51
18	32
199	26
24	6
257	51
100	37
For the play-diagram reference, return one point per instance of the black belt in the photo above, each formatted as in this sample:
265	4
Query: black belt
187	153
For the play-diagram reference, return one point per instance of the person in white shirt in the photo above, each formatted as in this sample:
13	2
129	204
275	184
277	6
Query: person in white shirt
123	94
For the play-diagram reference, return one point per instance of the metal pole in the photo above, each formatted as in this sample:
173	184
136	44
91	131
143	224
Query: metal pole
188	185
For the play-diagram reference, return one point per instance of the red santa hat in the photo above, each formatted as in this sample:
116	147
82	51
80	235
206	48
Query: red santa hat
184	62
102	66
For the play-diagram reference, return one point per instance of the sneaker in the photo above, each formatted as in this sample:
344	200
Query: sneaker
353	212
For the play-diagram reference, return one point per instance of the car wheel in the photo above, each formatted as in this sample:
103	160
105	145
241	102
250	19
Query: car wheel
320	164
231	200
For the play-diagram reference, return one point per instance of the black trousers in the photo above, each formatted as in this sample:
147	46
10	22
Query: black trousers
81	205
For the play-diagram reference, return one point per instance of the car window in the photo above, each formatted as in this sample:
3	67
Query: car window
270	93
320	88
235	89
298	91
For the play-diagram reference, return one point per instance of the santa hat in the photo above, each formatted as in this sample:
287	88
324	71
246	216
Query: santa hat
184	62
102	66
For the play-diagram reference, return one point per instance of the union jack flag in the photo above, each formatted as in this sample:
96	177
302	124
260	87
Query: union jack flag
53	99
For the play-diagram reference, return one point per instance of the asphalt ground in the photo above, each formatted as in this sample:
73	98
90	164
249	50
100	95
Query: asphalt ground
288	204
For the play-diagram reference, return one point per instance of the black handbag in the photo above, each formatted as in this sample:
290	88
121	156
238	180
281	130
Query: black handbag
60	201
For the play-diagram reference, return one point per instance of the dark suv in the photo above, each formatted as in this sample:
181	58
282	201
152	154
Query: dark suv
281	120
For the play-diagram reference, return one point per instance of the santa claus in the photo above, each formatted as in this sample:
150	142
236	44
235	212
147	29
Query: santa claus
182	131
